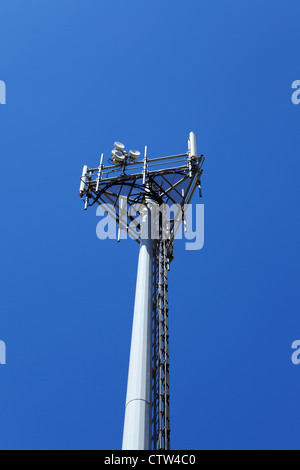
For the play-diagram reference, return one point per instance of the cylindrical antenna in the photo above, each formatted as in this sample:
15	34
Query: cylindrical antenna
193	151
99	173
193	148
83	180
145	166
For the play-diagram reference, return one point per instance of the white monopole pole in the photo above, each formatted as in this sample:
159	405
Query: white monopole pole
137	425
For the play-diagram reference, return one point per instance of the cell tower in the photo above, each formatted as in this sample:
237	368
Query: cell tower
125	187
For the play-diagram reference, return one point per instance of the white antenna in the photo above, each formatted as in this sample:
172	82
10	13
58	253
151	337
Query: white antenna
83	181
193	149
134	155
119	146
117	157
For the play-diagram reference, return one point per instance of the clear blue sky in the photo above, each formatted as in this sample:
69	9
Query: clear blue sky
81	74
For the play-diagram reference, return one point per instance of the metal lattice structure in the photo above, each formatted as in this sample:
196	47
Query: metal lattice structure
156	182
160	349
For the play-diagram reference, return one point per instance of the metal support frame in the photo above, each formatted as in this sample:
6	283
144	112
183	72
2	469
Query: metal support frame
160	349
